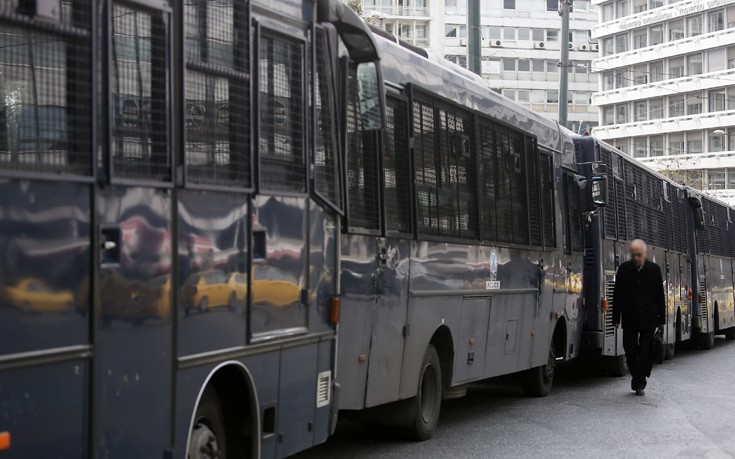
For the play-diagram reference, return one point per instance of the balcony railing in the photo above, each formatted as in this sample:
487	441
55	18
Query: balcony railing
702	121
400	10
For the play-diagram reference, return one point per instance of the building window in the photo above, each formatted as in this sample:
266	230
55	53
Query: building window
640	110
731	179
657	3
552	5
621	114
694	25
580	98
716	180
490	65
538	34
656	109
509	64
715	20
640	6
552	97
656	71
694	104
510	93
608	12
694	64
608	81
538	65
552	66
640	74
676	30
676	67
621	8
608	115
694	143
657	34
552	35
608	46
524	65
640	39
621	79
676	106
523	34
523	95
716	60
676	144
717	101
656	146
716	143
621	43
455	31
509	34
639	147
509	4
622	145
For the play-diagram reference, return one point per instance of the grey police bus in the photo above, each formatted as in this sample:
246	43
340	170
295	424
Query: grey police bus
461	257
170	204
690	236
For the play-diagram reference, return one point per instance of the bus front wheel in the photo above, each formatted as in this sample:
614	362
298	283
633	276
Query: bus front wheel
423	410
207	439
538	381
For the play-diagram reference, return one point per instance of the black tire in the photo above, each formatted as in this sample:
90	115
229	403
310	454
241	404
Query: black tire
670	351
537	381
422	412
730	334
617	366
203	305
208	439
707	341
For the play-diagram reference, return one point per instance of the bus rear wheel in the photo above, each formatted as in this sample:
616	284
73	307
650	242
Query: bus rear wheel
670	351
730	334
538	381
207	439
422	411
707	340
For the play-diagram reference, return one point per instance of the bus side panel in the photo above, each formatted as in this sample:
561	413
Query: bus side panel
44	408
212	236
721	290
322	272
44	307
133	352
387	341
359	264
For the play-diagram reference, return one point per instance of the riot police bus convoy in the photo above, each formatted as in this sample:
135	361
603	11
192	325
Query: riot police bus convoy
224	222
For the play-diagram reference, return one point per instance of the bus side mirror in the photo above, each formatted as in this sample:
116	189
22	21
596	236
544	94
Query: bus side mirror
368	85
599	190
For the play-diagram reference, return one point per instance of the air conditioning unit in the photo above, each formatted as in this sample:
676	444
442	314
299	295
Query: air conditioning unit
595	47
462	42
496	43
583	47
571	45
540	45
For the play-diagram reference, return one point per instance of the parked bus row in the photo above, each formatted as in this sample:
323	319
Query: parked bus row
225	222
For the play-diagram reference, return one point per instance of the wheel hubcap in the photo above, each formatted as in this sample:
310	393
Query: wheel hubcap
428	394
203	443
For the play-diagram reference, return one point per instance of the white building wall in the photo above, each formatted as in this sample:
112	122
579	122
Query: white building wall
667	87
520	47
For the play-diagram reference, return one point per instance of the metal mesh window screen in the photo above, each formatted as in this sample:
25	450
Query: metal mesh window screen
609	211
620	209
139	86
512	206
397	168
281	136
677	220
718	236
548	203
362	166
217	87
446	175
46	88
575	236
534	194
327	177
487	162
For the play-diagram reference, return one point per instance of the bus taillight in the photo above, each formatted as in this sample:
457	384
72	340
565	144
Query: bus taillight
334	310
4	441
689	294
603	305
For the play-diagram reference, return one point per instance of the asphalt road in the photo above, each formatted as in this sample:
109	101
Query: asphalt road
688	411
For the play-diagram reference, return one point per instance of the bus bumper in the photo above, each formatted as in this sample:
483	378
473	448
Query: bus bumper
593	340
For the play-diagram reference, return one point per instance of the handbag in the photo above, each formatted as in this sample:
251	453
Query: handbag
658	346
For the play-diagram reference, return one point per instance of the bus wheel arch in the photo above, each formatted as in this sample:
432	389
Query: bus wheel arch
537	381
444	345
239	415
559	338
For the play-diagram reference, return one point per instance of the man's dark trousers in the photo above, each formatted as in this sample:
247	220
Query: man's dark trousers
638	345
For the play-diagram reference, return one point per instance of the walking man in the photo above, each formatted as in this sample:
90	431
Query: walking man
639	298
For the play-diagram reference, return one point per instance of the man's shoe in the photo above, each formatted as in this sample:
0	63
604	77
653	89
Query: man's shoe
640	392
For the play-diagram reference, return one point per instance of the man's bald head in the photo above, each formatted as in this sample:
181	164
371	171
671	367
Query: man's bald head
638	251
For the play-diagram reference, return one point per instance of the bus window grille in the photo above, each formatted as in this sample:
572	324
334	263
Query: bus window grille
217	88
547	199
608	212
703	298
46	89
281	133
327	177
534	193
397	167
446	175
609	290
139	83
574	209
362	166
487	162
620	210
